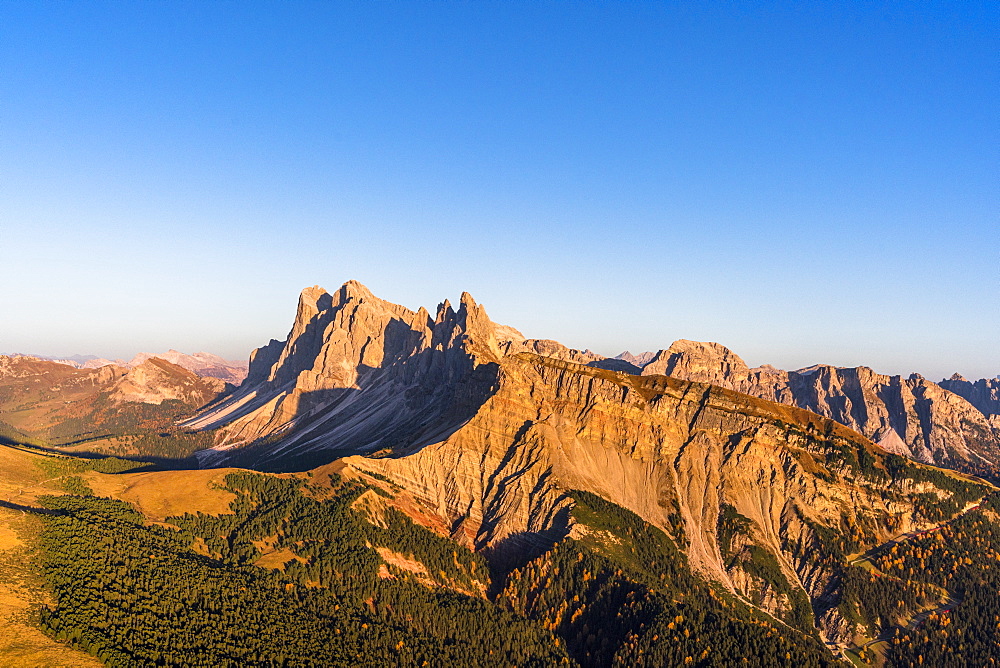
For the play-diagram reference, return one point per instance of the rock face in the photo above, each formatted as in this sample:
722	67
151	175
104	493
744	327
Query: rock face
641	442
674	452
357	374
910	416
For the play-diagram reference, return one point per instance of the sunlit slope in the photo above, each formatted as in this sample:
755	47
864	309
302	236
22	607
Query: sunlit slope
21	592
344	578
111	410
763	497
26	474
161	494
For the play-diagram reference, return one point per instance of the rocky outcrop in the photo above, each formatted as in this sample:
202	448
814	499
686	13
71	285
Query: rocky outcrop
550	348
911	416
674	452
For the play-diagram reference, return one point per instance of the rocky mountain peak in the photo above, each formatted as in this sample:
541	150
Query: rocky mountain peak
638	361
352	347
910	416
701	361
444	312
984	393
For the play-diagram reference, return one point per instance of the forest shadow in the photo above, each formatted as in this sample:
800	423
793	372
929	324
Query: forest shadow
10	505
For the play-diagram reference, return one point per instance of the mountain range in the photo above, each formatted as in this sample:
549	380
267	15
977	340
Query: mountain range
203	364
414	471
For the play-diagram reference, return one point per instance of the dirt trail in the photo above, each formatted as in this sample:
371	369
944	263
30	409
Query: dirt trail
865	561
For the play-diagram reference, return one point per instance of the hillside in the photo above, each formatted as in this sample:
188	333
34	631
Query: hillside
22	587
109	410
346	567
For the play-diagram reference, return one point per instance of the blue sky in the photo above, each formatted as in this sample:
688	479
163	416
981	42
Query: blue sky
803	182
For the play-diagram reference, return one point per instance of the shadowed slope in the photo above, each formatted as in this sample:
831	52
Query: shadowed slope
356	374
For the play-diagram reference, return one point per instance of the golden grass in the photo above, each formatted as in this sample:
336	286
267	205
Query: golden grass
276	560
162	494
22	481
21	594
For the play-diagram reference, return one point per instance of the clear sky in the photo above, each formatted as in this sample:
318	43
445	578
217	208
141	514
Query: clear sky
803	182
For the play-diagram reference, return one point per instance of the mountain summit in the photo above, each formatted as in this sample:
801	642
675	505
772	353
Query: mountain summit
357	374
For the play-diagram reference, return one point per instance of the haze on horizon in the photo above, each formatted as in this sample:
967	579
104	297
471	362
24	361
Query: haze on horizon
801	184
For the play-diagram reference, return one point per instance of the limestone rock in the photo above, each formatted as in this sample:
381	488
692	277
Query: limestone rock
672	451
357	374
491	432
638	361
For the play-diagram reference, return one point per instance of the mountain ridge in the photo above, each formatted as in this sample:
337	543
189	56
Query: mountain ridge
204	364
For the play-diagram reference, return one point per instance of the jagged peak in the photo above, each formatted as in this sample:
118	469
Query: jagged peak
640	360
312	294
467	301
958	377
444	312
356	290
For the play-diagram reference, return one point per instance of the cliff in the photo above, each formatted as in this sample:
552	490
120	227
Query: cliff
492	435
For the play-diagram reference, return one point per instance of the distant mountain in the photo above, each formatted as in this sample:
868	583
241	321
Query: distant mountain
984	393
638	361
203	364
910	416
109	409
75	361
